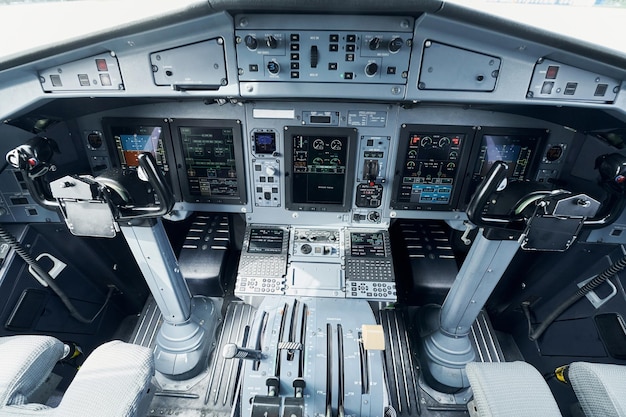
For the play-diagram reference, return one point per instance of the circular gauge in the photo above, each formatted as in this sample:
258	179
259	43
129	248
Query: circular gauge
95	140
427	141
453	155
335	161
335	145
444	141
318	161
318	144
410	164
554	153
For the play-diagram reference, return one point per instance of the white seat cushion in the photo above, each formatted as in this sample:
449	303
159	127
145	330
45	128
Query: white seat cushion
600	388
510	389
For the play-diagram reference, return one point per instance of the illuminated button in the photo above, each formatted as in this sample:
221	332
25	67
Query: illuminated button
333	47
333	38
351	38
350	48
295	74
350	57
295	46
101	64
547	87
253	68
570	89
105	80
294	37
295	57
295	65
332	66
552	72
391	70
348	75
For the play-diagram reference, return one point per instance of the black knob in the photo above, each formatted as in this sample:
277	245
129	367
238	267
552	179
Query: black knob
371	69
251	42
306	249
271	42
375	43
395	45
314	56
273	67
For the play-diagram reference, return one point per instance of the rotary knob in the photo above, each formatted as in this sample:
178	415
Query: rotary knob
273	67
395	45
271	42
371	69
270	170
251	42
375	43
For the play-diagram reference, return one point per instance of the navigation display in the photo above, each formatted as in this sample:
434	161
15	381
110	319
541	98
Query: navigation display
364	244
212	155
431	159
266	240
321	165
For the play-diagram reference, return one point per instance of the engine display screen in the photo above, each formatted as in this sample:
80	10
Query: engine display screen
364	244
431	160
265	240
321	166
211	160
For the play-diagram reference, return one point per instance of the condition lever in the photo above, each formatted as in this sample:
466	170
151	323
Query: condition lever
232	351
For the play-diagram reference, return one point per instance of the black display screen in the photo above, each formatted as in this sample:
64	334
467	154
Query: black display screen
213	160
132	138
264	142
321	166
266	240
516	150
365	244
431	159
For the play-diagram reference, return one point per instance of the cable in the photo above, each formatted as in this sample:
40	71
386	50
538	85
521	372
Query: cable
43	274
585	289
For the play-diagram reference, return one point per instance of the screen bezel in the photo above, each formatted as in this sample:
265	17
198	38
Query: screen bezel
235	125
406	131
351	135
134	124
531	171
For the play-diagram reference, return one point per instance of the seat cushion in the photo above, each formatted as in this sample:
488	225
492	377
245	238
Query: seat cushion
510	389
600	388
112	382
25	363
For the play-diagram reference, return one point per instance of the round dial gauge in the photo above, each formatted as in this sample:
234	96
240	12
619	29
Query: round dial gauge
444	141
335	145
318	144
427	141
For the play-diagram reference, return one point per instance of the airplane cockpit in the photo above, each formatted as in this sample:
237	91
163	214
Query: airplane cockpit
335	209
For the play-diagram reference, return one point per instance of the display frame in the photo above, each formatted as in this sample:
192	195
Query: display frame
110	125
406	131
542	136
235	125
348	192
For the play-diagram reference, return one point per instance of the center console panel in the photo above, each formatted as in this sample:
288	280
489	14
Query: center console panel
314	361
314	261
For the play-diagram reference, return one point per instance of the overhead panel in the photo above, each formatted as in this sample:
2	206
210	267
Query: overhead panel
100	72
556	81
450	68
198	66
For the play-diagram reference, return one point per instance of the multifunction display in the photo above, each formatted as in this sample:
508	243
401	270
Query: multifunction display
516	150
431	161
266	240
364	244
212	154
132	137
321	163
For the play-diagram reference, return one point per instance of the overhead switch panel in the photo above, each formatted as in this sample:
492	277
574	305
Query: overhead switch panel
555	81
446	67
100	72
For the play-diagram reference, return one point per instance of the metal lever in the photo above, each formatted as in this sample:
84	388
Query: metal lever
232	351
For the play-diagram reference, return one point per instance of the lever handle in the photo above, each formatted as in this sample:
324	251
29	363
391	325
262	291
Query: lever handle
232	351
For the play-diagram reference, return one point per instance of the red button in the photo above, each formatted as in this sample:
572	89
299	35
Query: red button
101	64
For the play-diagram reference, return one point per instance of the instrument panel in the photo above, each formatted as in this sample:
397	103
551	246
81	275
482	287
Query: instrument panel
364	172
